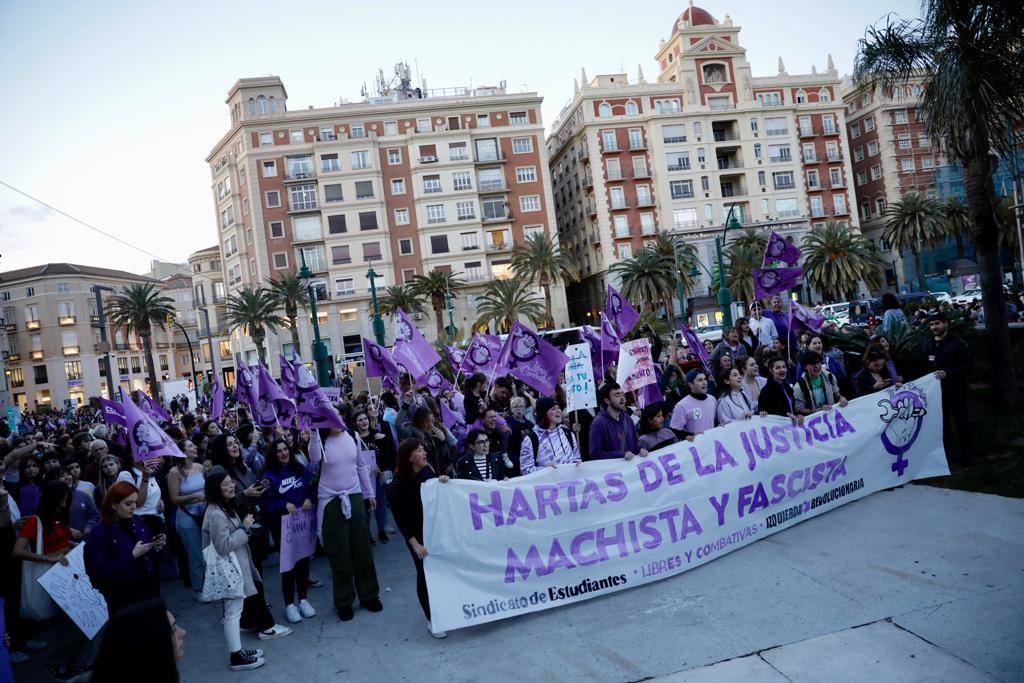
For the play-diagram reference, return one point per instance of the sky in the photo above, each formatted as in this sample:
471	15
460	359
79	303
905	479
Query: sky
110	108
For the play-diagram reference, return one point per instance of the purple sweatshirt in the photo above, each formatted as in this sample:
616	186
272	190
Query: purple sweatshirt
611	438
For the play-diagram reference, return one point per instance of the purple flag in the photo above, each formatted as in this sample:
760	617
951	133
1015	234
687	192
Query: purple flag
780	249
246	387
315	409
593	339
378	360
280	408
436	382
449	417
650	393
287	376
145	436
806	316
482	354
113	413
769	281
620	312
217	404
526	356
695	347
425	354
455	357
151	407
609	343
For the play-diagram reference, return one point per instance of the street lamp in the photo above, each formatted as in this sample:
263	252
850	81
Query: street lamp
448	305
378	324
680	292
209	340
724	293
104	345
323	377
191	356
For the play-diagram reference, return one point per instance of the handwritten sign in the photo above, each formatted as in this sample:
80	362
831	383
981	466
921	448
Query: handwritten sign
333	394
636	367
580	387
71	588
298	538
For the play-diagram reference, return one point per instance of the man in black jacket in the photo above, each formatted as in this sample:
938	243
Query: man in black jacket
950	359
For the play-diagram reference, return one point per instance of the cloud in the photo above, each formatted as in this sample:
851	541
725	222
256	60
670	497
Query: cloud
21	215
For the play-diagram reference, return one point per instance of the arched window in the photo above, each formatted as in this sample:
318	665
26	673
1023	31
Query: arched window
823	95
605	110
252	107
631	108
261	104
273	105
917	90
801	96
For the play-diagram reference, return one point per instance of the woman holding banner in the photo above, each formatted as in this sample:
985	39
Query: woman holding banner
289	491
411	471
653	432
777	396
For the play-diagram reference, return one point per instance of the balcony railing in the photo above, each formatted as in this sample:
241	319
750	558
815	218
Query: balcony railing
583	154
32	325
771	132
611	148
70	350
622	204
300	174
807	132
305	205
494	186
788	213
495	218
724	164
623	233
475	275
11	327
490	159
500	246
780	159
645	201
725	136
674	139
817	212
637	144
831	130
833	157
679	167
35	355
66	320
784	186
615	175
641	173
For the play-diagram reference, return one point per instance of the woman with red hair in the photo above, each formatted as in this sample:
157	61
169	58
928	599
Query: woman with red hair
118	555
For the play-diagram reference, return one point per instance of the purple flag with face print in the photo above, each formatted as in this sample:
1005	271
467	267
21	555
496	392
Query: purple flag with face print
436	382
809	318
455	357
609	343
274	405
378	360
145	437
426	355
246	385
695	347
314	407
287	376
780	249
449	417
526	356
593	339
482	354
769	281
151	407
620	312
113	413
217	404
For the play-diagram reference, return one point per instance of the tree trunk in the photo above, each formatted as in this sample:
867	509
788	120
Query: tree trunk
550	321
439	314
259	337
919	267
669	302
960	251
292	311
147	345
985	234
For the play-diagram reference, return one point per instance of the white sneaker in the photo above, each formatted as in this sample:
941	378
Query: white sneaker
275	631
291	613
307	609
437	634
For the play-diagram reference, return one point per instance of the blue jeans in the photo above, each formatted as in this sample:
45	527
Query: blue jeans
192	538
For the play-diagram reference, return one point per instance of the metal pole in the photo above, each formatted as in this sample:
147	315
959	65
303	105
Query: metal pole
104	342
448	305
191	358
209	339
323	377
378	324
680	292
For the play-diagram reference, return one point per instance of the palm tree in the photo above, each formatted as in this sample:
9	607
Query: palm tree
837	258
436	286
138	308
1008	235
540	260
400	297
741	257
646	277
969	54
254	310
751	239
956	221
505	301
913	222
291	294
684	261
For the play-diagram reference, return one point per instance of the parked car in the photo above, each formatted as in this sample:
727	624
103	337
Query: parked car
712	333
837	313
868	312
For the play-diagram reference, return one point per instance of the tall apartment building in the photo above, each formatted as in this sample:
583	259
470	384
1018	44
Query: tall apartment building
892	156
54	352
630	158
407	182
210	295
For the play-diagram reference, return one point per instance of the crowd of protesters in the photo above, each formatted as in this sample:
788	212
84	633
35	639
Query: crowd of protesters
215	514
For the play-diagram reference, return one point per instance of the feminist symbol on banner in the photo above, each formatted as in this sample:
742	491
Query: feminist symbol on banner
480	355
523	349
903	413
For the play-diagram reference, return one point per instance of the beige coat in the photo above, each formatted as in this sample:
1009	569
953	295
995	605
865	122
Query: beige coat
226	534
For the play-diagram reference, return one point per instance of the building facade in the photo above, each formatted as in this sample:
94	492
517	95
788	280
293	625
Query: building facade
631	158
210	295
406	183
54	352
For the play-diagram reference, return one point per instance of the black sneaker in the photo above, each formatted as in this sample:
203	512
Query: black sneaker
383	536
315	583
374	605
252	653
345	613
241	661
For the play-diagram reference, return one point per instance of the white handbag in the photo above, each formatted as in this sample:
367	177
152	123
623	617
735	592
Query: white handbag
36	603
223	579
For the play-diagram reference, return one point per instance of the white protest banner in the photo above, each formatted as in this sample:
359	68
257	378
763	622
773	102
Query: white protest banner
636	367
557	536
333	394
298	538
72	590
580	388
